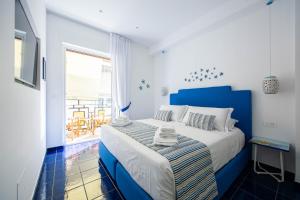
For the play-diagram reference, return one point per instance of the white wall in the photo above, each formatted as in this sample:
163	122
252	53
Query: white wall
142	68
239	48
297	74
60	30
22	144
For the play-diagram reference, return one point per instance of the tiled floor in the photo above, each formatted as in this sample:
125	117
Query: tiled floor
74	173
249	185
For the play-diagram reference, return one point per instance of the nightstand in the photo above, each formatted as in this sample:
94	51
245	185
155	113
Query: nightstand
273	144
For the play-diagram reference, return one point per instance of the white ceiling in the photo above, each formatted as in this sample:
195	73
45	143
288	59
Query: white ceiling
156	19
162	23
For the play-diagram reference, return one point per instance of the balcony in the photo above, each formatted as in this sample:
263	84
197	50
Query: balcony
84	117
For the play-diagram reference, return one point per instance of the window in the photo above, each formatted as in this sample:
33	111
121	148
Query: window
18	57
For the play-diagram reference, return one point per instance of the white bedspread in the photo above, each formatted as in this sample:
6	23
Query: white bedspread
151	170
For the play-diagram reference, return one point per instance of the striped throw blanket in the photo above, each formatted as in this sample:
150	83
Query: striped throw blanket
190	161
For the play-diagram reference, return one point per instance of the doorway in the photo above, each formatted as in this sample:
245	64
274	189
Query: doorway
87	94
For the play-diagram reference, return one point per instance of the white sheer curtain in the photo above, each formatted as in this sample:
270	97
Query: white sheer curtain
120	49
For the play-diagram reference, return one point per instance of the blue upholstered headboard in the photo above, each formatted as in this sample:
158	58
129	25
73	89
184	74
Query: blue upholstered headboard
222	97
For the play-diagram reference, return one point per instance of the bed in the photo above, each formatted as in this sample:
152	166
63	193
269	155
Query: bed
141	173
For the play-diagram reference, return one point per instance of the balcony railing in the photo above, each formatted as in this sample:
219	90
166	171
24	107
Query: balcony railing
83	116
88	106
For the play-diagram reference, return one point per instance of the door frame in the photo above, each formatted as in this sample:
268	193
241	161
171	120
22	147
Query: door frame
65	47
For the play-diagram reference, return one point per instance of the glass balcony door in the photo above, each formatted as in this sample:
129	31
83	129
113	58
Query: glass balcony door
88	95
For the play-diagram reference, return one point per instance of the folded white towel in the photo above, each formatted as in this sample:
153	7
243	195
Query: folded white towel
168	137
165	139
158	141
120	124
166	133
167	129
165	144
121	120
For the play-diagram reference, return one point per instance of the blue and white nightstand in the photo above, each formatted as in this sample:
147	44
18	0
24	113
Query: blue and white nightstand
273	144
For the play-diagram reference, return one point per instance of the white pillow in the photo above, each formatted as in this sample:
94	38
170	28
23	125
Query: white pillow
227	125
231	124
220	113
178	112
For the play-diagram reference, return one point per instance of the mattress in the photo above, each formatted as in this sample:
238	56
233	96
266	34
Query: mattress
151	170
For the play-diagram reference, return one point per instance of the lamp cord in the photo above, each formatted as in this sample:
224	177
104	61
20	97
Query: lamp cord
270	39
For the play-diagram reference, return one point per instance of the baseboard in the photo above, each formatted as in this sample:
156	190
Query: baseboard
297	179
40	173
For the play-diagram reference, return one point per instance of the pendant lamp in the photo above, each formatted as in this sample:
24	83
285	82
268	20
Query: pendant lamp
270	83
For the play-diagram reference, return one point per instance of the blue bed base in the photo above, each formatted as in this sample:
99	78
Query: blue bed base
206	97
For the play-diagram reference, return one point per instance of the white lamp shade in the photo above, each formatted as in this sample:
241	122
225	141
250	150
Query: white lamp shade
164	91
271	85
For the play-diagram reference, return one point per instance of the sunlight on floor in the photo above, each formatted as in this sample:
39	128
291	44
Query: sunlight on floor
84	137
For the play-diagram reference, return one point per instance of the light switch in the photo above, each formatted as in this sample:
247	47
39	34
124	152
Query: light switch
270	124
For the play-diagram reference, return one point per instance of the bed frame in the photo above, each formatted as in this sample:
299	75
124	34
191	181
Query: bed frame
222	97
